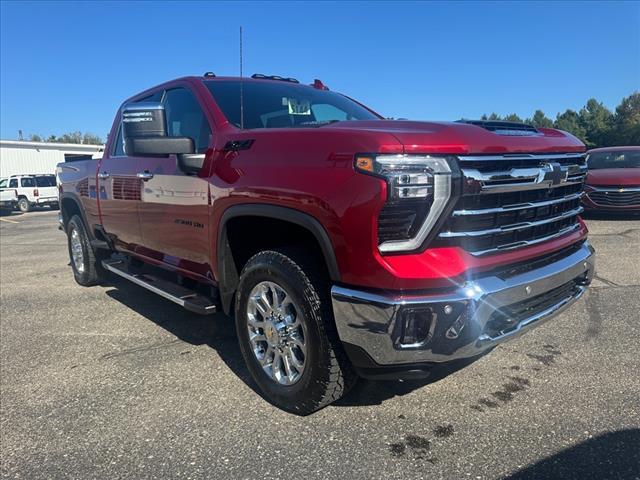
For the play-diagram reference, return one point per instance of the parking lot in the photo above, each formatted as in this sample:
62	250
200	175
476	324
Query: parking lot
113	381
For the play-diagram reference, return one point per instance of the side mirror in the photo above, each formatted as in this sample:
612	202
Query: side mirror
144	130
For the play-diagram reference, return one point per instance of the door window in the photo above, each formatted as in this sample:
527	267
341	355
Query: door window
118	146
185	118
13	183
28	182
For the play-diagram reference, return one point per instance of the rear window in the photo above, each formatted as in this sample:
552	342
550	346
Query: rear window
28	182
277	104
46	181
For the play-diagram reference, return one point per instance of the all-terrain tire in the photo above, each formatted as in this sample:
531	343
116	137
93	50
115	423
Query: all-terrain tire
87	269
327	373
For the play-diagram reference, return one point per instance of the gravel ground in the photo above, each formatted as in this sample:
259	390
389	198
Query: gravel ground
114	382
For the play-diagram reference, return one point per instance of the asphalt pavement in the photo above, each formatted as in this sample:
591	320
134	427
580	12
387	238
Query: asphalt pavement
115	382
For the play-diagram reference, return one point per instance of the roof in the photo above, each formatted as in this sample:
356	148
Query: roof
614	149
32	175
75	147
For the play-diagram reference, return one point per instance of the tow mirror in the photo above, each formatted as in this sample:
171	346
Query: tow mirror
144	131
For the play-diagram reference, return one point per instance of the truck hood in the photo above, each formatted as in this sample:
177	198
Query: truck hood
461	138
614	177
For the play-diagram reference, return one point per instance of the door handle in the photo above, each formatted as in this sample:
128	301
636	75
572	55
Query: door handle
103	175
145	175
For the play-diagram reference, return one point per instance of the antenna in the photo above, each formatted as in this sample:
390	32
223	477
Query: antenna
241	85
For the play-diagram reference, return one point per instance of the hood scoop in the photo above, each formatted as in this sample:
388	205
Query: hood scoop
512	129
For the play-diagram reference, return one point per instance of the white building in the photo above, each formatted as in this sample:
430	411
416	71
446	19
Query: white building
17	157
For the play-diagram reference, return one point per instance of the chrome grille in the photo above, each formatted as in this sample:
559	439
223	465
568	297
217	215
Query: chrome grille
616	196
510	202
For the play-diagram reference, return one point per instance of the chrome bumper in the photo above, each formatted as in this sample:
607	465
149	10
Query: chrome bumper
475	317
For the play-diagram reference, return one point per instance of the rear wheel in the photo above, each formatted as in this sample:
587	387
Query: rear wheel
24	205
287	335
85	263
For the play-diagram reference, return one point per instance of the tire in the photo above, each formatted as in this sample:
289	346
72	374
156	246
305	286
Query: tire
54	206
86	266
24	205
326	374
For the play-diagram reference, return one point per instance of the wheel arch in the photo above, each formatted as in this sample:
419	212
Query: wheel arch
71	205
229	270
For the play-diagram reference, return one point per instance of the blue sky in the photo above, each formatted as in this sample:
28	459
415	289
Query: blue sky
67	66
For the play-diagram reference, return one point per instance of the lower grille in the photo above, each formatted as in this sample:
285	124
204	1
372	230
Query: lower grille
506	318
505	207
618	197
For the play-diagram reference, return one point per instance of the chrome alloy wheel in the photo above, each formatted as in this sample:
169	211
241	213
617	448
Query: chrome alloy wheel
276	333
76	250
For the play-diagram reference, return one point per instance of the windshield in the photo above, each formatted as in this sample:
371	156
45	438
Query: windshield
278	104
46	181
617	159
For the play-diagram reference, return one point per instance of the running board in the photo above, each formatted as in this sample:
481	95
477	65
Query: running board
188	299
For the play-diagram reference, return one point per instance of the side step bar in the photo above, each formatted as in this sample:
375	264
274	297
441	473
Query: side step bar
188	299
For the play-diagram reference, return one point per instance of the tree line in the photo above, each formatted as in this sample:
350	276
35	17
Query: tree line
594	124
71	137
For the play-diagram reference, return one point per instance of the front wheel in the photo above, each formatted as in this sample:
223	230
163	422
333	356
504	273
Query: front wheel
287	335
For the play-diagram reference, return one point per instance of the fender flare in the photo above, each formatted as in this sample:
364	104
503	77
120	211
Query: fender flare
73	197
229	277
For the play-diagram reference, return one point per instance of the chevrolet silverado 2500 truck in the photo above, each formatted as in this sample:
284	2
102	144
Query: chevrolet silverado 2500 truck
344	244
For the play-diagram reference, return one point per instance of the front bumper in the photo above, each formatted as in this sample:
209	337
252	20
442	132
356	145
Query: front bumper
395	329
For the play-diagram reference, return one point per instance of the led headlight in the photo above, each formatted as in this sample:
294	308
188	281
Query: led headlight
419	188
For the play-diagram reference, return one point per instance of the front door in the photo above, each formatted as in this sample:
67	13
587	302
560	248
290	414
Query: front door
174	207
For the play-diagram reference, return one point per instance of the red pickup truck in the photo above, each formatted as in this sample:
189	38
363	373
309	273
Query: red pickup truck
343	243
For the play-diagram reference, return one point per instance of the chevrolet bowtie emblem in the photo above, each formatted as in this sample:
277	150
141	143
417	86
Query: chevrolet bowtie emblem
553	174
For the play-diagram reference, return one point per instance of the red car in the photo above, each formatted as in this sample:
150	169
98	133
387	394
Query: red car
613	180
341	242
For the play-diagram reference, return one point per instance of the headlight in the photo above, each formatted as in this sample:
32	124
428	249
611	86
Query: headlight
419	188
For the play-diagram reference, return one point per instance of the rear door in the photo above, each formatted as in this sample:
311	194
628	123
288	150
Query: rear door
174	208
29	189
118	192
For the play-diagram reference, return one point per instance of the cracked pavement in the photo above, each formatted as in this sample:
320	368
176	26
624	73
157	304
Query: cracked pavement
114	382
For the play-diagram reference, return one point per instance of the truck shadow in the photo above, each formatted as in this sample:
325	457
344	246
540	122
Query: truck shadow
610	455
218	332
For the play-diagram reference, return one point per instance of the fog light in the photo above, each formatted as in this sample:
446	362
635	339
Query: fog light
416	325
